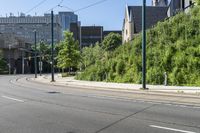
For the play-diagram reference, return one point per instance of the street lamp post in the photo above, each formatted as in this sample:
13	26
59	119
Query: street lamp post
35	55
52	47
40	66
144	45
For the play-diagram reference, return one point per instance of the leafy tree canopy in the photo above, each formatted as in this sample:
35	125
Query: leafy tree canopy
44	50
68	52
112	41
198	2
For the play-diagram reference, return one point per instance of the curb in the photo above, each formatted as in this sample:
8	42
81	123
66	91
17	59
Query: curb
191	104
143	92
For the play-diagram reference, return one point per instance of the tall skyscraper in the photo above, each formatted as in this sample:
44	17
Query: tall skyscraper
66	18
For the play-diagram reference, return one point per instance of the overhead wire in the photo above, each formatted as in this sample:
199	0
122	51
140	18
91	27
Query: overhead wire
85	7
55	6
40	3
91	5
62	6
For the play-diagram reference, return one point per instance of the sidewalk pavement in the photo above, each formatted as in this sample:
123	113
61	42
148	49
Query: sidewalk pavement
70	81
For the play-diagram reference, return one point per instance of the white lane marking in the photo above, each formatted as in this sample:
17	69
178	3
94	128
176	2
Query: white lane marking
171	129
14	99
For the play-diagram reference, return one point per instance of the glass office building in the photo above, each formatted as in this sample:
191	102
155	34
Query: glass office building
66	18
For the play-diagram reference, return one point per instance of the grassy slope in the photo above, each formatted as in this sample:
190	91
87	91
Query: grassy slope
173	46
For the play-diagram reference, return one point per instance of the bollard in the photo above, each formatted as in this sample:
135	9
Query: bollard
165	82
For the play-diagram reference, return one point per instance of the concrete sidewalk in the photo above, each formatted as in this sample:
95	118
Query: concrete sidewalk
70	81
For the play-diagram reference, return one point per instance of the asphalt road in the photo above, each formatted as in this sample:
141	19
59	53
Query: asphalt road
29	107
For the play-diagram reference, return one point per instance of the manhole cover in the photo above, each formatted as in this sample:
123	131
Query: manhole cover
53	92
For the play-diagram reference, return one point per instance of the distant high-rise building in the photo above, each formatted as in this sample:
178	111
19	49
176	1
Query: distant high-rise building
160	3
23	25
75	29
66	18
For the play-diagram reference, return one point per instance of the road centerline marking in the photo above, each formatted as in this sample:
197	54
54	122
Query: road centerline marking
10	98
171	129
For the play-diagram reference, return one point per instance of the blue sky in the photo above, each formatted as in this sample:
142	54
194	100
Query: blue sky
109	14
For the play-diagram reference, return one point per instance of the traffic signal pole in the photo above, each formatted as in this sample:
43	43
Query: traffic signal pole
40	64
144	45
35	55
52	47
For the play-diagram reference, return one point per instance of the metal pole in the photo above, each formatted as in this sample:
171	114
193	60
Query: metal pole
40	61
52	48
22	61
144	45
22	65
9	61
80	38
35	55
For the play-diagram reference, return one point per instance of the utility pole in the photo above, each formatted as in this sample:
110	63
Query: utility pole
52	47
144	45
40	64
35	55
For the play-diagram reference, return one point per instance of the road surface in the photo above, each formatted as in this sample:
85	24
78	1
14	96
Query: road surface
30	107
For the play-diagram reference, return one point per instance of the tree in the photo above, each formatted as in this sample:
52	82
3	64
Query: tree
3	65
68	52
198	2
90	55
44	50
112	41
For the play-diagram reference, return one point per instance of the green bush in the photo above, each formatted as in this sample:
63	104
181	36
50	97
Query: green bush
120	68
